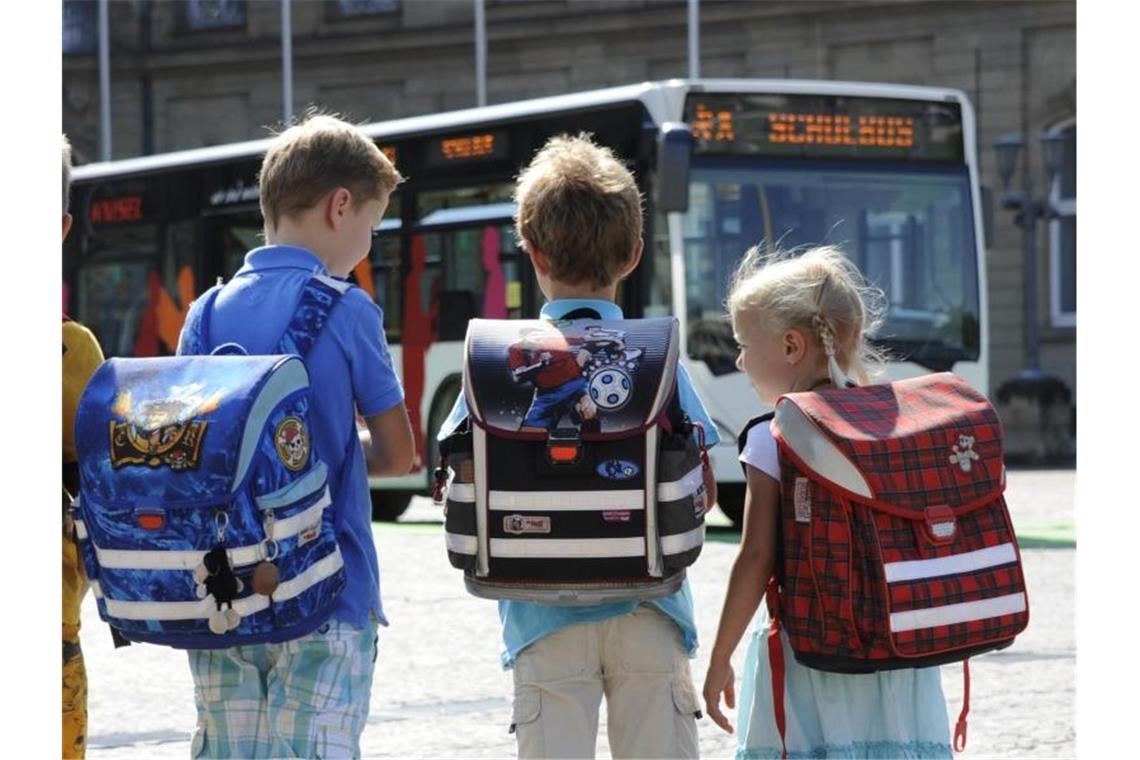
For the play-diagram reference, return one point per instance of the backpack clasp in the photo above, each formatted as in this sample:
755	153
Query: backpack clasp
564	446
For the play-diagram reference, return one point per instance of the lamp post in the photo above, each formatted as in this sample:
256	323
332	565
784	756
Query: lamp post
1031	382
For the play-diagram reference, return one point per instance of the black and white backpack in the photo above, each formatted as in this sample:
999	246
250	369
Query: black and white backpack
575	476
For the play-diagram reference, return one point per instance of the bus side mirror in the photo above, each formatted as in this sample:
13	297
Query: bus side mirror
674	151
987	215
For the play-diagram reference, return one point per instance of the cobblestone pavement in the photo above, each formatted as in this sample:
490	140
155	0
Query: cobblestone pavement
440	692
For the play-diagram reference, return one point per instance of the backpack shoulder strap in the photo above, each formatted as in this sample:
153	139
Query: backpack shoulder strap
198	343
742	439
320	294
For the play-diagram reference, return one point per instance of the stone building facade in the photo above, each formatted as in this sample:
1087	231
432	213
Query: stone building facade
204	72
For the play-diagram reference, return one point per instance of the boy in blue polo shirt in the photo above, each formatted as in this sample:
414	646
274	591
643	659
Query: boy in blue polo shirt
580	220
324	187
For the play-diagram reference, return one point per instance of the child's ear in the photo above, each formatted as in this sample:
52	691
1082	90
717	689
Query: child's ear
539	260
628	270
337	205
795	346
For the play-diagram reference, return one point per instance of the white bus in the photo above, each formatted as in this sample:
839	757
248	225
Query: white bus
887	172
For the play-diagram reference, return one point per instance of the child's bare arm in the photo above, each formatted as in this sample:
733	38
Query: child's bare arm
749	576
392	445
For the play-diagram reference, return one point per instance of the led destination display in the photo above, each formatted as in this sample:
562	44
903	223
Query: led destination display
483	146
816	126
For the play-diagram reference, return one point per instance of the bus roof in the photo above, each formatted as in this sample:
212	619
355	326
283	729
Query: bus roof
663	100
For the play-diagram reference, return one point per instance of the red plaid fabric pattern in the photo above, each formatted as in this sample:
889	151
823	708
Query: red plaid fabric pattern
875	579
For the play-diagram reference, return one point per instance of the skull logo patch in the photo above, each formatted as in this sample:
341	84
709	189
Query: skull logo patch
292	442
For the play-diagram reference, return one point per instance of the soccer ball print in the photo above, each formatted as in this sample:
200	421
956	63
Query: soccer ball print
610	388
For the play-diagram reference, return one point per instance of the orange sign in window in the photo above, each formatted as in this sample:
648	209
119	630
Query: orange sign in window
841	129
713	126
467	147
127	208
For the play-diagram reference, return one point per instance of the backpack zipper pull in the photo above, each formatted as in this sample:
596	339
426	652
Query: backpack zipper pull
439	490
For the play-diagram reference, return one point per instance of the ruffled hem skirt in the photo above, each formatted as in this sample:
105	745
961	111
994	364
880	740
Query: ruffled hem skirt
890	714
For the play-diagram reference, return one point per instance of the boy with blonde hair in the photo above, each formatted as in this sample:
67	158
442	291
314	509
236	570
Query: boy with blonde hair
81	357
324	187
579	220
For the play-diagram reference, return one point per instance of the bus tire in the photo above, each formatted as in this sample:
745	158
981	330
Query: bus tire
730	499
388	504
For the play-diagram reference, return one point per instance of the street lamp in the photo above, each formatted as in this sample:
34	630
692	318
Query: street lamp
1031	383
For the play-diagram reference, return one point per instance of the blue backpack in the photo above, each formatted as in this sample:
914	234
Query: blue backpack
204	516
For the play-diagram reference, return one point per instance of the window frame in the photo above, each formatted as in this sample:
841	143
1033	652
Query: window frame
86	20
335	12
1064	208
183	24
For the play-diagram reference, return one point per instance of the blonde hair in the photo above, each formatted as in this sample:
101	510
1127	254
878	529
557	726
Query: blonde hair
819	291
316	156
580	207
66	174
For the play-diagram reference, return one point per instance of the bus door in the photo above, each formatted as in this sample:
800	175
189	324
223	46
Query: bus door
463	263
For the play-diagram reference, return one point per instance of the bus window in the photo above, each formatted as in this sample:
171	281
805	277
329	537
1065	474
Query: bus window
387	291
113	293
113	299
910	231
461	197
473	272
235	239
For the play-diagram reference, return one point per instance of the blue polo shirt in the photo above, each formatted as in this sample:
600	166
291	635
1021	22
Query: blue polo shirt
348	366
526	622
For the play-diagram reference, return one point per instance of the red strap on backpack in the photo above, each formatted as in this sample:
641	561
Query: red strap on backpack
776	661
960	729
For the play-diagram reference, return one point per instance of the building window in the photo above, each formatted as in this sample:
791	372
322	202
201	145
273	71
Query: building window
353	8
1063	236
78	27
213	14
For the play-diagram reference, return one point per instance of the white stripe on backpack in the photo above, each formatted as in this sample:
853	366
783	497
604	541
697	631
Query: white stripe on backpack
678	489
567	501
202	608
683	542
142	559
462	544
916	569
963	612
576	548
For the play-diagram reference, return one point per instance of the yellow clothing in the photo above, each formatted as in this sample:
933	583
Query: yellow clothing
81	356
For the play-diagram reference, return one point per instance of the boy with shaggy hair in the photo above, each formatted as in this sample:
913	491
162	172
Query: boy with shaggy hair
579	220
324	187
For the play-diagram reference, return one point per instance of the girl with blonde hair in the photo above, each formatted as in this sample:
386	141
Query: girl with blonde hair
803	322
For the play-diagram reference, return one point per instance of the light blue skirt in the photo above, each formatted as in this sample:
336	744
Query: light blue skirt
890	714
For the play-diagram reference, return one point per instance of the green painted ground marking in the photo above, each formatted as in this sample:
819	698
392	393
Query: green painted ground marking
1052	534
387	528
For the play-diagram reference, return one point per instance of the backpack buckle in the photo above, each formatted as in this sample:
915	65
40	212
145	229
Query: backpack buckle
563	446
941	526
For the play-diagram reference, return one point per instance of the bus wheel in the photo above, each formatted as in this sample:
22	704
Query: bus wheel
730	499
388	504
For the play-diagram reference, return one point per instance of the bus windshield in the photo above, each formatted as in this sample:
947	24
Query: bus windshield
910	230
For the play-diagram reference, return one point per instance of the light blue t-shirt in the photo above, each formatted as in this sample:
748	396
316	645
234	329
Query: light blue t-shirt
348	366
526	622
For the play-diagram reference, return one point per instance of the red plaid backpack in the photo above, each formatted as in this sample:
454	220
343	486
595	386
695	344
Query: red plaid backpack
896	547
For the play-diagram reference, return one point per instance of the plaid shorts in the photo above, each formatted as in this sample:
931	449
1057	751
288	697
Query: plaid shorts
302	698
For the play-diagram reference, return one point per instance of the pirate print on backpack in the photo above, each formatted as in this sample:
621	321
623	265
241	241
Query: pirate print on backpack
577	479
204	518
